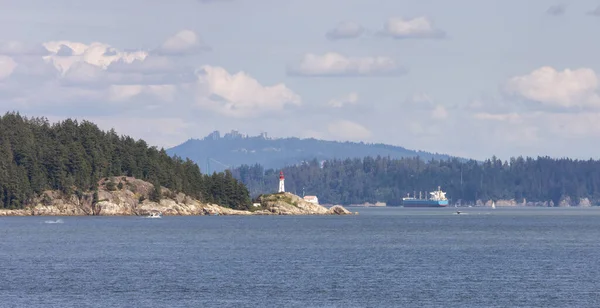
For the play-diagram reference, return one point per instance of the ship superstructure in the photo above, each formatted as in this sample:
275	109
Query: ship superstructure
437	199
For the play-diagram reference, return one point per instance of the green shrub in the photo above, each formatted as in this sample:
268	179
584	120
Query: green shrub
111	186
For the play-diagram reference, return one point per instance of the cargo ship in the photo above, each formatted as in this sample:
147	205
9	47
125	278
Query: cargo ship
437	199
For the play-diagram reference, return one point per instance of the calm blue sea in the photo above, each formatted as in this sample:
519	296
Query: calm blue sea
384	257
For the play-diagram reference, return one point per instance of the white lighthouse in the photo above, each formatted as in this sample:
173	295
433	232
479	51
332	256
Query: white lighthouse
281	182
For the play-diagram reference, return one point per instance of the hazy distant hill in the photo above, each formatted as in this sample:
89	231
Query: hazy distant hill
216	153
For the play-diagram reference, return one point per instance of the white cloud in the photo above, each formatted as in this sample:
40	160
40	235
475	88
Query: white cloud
149	65
335	64
97	73
185	42
345	30
239	95
7	66
563	89
501	117
348	130
97	54
419	101
419	27
424	105
439	112
349	99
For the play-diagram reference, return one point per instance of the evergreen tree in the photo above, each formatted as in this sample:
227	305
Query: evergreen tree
372	179
72	156
156	193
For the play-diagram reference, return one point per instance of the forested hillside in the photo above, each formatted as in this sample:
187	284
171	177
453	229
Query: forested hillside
355	181
217	153
72	157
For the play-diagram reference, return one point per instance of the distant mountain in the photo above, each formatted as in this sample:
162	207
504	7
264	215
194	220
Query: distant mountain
217	153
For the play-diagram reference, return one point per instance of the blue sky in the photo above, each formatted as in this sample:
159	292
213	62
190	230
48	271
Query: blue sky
473	78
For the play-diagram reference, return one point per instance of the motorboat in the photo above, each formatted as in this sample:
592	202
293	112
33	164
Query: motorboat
154	215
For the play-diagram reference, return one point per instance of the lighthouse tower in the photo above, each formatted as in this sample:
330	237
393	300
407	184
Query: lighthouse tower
281	182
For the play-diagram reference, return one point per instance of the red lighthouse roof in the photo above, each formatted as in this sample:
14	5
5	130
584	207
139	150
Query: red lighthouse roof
281	175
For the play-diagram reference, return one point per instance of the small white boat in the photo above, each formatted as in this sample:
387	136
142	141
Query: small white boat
493	204
154	215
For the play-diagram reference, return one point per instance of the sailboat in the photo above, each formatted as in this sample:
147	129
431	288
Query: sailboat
493	204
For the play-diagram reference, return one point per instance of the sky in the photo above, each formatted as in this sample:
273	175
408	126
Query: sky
471	78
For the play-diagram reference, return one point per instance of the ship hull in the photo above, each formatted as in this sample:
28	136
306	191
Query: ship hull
424	203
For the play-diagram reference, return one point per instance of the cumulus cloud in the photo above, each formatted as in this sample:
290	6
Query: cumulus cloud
63	54
419	100
439	112
556	10
349	99
423	103
345	30
502	117
239	95
7	66
335	64
149	65
419	27
74	79
93	73
563	89
185	42
348	130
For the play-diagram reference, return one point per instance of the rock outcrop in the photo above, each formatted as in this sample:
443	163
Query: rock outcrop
290	204
124	196
565	201
338	210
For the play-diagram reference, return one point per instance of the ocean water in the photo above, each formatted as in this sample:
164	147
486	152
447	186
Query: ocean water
383	257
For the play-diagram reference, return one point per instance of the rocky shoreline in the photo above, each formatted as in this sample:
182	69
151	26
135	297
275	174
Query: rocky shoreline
563	202
133	200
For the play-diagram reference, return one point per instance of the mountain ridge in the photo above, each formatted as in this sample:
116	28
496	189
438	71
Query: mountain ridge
216	152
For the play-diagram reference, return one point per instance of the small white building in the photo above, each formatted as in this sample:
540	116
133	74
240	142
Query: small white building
311	199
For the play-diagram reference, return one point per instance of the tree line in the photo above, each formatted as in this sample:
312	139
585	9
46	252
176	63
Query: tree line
71	157
384	179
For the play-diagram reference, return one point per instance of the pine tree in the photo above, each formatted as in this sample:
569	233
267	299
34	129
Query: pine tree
156	193
72	157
